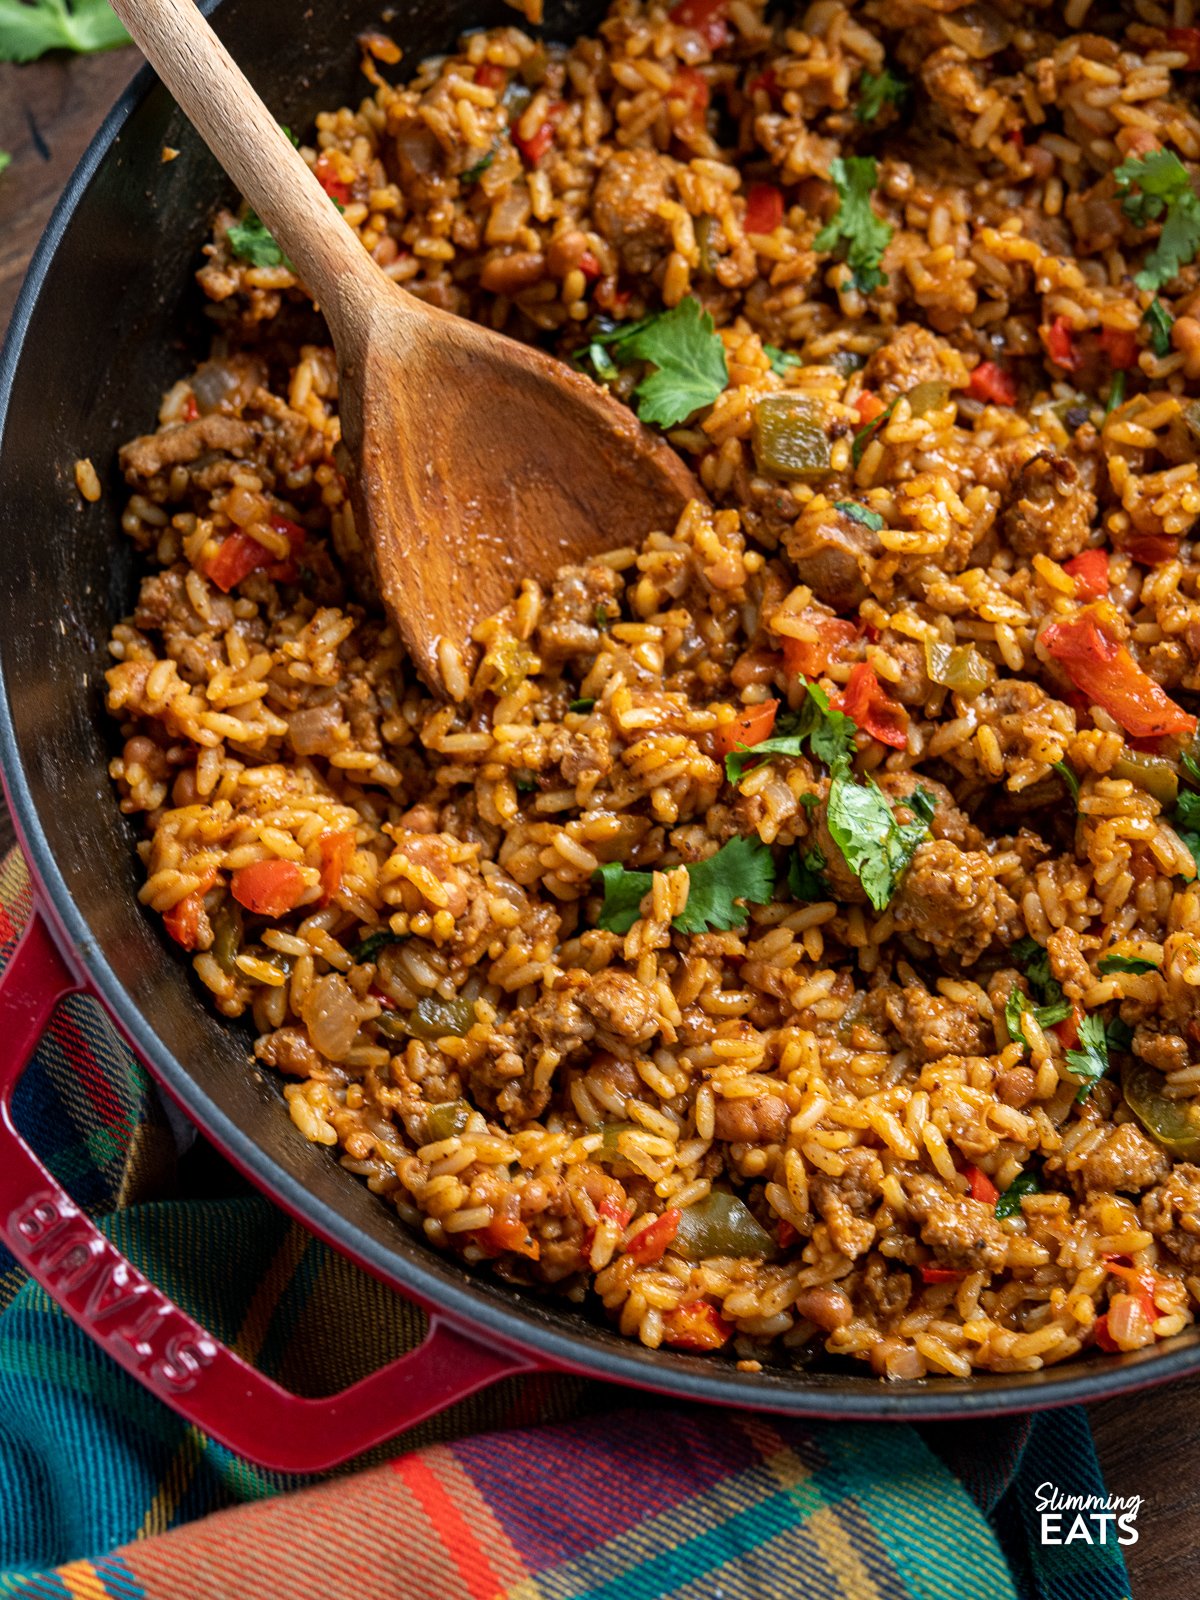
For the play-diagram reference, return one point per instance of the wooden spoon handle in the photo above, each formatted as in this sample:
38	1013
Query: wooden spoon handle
254	150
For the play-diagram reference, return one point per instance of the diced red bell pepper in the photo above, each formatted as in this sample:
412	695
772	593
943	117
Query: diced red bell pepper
1060	342
1152	549
992	384
268	888
650	1242
612	1211
327	177
749	727
1016	136
865	703
764	208
786	1233
241	554
982	1187
1187	40
707	17
1090	571
696	1326
690	85
808	658
535	147
869	406
589	266
1120	346
1102	1336
490	76
766	81
191	411
336	850
182	921
510	1233
1104	670
1141	1280
1067	1031
940	1274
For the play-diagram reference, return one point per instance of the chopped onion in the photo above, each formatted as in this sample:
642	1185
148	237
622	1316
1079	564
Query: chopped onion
977	31
332	1016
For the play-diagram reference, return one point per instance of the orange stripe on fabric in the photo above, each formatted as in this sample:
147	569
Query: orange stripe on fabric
82	1582
450	1526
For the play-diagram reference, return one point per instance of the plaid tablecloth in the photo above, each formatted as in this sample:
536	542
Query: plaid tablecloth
542	1488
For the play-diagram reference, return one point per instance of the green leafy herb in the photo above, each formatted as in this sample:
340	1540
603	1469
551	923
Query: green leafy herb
782	361
1009	1203
688	356
829	734
864	435
1160	322
1090	1062
1116	394
1126	964
1119	1034
1017	1005
1159	185
473	174
601	618
29	30
252	241
741	870
1186	816
292	139
525	782
804	879
375	942
1035	963
1191	767
584	704
5	158
855	227
1068	777
856	513
876	90
862	824
1187	805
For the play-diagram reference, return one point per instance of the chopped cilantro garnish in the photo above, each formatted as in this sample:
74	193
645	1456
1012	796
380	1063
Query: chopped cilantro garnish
804	879
1126	964
478	170
28	30
864	435
601	618
740	871
525	782
1090	1062
374	943
686	352
1068	777
5	158
782	361
1186	816
1118	1034
291	137
252	241
1116	394
876	90
1009	1203
1159	185
1035	963
1017	1006
829	734
1160	322
877	848
856	513
855	226
584	704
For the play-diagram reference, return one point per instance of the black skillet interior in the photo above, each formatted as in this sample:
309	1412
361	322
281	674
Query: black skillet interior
106	323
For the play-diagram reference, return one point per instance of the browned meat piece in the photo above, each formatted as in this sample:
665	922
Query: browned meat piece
913	355
763	1120
1015	1086
1068	963
1166	1051
825	1305
913	687
1124	1160
568	625
963	1233
515	1076
1179	969
949	898
1029	725
624	1009
1096	218
290	1050
1172	1212
1048	510
884	1291
631	187
933	1027
142	459
948	821
845	1202
834	555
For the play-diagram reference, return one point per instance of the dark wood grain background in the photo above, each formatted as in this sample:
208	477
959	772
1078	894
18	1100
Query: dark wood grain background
1149	1444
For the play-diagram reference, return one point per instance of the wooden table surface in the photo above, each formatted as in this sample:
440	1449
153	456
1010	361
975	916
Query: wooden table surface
1149	1444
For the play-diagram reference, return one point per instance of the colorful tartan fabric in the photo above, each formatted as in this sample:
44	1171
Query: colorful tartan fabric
542	1488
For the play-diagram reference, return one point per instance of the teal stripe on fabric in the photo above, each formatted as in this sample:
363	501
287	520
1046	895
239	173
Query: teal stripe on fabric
36	1586
291	1304
118	1580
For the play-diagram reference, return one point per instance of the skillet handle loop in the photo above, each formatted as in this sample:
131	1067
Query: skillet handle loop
151	1337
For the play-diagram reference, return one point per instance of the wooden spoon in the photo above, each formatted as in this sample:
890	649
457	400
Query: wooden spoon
480	461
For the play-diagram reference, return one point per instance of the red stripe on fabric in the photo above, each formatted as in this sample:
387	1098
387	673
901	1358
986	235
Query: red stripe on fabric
80	1054
8	932
454	1532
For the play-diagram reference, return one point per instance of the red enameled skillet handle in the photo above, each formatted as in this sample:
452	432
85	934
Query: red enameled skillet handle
149	1335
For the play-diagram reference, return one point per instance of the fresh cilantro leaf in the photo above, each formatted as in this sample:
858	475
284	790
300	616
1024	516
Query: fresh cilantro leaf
864	435
1187	806
782	361
1116	394
375	942
252	241
605	368
862	824
472	174
1068	777
1191	843
584	704
804	878
1119	1034
1160	322
1163	189
876	90
855	225
1018	1005
1035	963
1015	1008
601	618
5	158
688	356
525	782
829	734
1009	1203
1090	1062
292	139
29	30
741	869
856	513
1125	964
1191	767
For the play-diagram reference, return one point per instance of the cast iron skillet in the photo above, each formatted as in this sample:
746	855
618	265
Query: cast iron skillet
101	329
